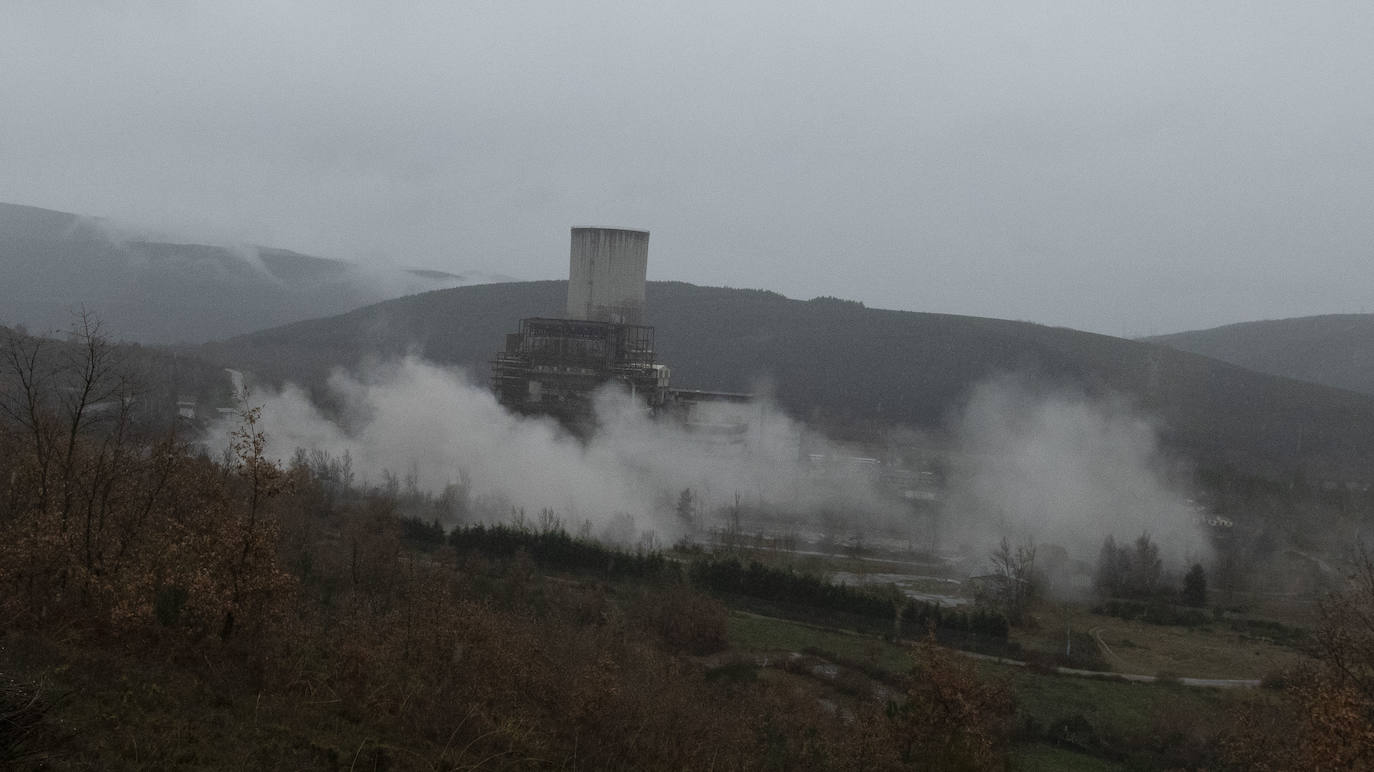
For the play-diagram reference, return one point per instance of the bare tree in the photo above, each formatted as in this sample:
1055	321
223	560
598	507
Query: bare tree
1014	572
65	422
54	393
264	479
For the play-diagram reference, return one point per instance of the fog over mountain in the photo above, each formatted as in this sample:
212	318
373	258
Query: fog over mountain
153	288
1128	169
321	445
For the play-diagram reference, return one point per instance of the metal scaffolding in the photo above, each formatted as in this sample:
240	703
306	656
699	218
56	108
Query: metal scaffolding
555	366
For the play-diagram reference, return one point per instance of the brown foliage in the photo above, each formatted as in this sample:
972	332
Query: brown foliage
1328	722
462	664
103	532
1338	716
687	621
951	719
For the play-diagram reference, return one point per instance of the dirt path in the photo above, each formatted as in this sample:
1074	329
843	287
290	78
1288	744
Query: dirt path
1223	683
1220	683
1217	683
1102	646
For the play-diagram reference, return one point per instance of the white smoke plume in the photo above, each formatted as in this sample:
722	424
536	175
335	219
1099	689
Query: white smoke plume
1065	470
1048	468
418	420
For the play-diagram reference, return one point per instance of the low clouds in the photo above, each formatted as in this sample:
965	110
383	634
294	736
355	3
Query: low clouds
1120	169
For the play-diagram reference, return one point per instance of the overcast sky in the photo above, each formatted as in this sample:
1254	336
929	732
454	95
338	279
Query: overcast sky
1127	168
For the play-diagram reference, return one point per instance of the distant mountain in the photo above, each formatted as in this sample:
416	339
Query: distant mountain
52	263
1335	350
839	363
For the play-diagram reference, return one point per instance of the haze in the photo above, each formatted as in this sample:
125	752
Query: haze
1045	467
1122	168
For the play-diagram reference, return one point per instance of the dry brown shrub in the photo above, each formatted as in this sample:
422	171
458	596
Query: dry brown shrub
577	685
105	534
1327	721
686	620
951	718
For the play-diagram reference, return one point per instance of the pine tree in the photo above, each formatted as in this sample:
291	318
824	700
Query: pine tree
1195	586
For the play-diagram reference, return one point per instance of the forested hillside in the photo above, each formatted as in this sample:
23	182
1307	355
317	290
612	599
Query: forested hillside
1335	350
858	369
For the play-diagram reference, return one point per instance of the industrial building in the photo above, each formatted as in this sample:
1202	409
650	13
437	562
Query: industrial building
555	367
606	275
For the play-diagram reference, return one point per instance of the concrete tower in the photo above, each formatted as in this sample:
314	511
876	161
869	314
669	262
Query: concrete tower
606	275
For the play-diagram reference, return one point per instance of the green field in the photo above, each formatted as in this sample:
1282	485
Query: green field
1222	649
1102	715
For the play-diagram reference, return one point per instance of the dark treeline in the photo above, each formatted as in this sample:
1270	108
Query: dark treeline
557	549
793	594
1155	613
813	598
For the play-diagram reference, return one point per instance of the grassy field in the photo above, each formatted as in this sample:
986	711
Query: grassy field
1197	652
1116	706
1101	714
1043	757
1211	651
750	632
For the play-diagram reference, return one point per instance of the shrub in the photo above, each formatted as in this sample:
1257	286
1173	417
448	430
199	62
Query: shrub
1153	612
687	621
1195	587
951	719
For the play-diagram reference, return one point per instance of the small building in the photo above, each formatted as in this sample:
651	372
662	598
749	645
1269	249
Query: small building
186	407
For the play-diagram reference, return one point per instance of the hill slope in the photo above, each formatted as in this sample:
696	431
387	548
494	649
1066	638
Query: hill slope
157	379
156	292
1335	350
838	362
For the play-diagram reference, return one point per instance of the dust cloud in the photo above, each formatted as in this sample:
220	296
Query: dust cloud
1028	464
434	427
1057	468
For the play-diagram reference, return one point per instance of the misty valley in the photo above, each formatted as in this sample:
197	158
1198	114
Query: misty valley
616	524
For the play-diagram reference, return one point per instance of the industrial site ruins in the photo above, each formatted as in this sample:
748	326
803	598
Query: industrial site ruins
555	366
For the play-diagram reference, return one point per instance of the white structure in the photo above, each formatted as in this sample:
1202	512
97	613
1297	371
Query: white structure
186	407
606	275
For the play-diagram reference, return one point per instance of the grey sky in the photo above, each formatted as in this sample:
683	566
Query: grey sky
1119	167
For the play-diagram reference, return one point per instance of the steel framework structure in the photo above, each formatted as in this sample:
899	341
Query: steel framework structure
555	366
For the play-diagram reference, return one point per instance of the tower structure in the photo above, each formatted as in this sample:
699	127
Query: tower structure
606	273
555	366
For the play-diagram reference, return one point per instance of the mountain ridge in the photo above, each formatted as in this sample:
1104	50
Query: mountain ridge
1330	349
839	364
149	290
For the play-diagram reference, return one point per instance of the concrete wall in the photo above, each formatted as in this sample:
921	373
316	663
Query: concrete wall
606	275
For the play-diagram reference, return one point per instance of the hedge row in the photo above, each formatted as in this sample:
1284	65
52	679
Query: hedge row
555	548
874	608
1155	613
910	618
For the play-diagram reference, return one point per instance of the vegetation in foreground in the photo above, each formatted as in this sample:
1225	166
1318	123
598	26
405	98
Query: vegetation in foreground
163	609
